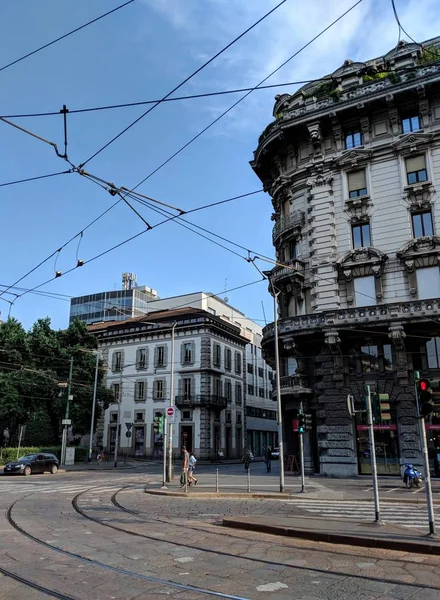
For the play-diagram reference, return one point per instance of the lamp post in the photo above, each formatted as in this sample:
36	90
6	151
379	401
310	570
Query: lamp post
92	422
275	294
170	440
66	417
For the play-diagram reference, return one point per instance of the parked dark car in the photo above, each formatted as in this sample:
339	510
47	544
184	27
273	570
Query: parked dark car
33	463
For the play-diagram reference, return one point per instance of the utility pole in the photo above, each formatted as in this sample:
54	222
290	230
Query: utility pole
170	441
118	422
92	423
66	416
377	520
278	382
301	448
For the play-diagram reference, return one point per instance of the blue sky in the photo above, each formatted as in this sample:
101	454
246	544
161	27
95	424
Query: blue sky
140	53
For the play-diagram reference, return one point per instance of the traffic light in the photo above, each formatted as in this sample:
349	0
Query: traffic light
426	406
301	422
158	423
384	407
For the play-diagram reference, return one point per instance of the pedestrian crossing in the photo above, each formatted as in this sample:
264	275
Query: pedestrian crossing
50	487
405	515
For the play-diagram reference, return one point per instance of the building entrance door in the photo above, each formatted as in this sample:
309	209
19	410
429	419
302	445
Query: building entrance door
186	437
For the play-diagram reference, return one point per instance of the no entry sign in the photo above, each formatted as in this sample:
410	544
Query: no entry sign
170	414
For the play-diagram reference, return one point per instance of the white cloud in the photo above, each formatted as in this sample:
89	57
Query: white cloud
369	30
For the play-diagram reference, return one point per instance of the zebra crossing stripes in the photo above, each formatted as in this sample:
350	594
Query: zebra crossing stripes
411	516
60	488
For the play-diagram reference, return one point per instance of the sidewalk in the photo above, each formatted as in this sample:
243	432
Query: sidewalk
94	466
338	531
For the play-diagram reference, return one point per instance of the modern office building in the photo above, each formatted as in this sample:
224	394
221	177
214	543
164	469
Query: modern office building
200	356
352	164
130	301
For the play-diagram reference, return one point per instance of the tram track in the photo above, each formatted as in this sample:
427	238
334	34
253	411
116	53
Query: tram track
10	517
35	586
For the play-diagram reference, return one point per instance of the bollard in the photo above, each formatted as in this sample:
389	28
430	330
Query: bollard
216	481
249	479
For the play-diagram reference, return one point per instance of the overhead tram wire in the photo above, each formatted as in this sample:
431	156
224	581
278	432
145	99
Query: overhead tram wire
62	37
135	236
194	138
198	70
36	178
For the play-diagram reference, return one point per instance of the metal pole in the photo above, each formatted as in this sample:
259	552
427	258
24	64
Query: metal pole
118	422
301	454
92	422
69	387
249	479
278	383
377	520
216	481
164	474
416	393
19	440
427	478
170	441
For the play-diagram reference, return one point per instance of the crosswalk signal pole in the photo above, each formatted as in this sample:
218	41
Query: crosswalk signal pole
302	425
425	408
377	520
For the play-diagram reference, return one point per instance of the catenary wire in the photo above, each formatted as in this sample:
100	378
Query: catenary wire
224	113
182	83
195	96
14	62
35	178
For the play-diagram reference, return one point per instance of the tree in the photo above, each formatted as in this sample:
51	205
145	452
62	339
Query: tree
33	363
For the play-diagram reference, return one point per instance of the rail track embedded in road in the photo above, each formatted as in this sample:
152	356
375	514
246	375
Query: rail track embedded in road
35	586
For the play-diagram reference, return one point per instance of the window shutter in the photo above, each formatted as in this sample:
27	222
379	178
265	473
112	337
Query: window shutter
138	358
180	387
113	361
165	356
156	355
164	389
122	359
357	181
147	355
193	351
136	391
182	354
416	163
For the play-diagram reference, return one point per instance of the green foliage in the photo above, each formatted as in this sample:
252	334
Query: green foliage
375	76
428	55
10	454
32	363
394	78
325	89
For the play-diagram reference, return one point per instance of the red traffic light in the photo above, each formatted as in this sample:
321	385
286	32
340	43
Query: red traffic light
424	385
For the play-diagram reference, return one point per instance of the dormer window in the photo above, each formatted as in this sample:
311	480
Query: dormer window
353	139
357	184
411	123
416	169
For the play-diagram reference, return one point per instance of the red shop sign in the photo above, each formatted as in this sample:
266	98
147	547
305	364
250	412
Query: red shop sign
295	426
377	427
431	427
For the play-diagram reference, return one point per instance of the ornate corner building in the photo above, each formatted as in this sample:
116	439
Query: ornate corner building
352	165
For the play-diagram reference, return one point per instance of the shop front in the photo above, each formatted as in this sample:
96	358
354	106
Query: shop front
387	449
433	440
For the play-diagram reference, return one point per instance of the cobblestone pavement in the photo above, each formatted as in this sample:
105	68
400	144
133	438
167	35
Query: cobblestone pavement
174	547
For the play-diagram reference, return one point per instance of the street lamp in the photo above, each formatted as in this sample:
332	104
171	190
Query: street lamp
95	389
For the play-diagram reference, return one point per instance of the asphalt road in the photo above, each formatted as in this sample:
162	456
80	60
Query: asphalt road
97	535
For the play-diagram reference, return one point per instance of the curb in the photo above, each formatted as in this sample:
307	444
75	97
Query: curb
417	547
230	495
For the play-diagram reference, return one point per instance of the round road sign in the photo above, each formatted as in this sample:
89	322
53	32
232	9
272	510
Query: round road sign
170	411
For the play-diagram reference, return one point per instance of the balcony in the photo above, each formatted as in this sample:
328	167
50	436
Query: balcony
293	269
417	310
201	401
291	385
292	222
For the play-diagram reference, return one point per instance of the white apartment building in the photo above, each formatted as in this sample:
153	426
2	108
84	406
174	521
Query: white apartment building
207	366
260	409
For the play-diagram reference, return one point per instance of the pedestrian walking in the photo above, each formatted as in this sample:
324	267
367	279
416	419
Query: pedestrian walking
247	458
268	459
185	466
191	466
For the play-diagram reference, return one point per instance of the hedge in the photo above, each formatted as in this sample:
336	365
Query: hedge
10	454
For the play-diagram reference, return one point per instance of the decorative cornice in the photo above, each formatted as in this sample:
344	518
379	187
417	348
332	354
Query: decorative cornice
411	141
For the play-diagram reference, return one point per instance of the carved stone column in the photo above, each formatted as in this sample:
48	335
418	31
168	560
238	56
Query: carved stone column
333	342
397	336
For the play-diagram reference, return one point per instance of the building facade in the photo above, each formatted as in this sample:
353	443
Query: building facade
208	370
352	164
260	410
116	305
